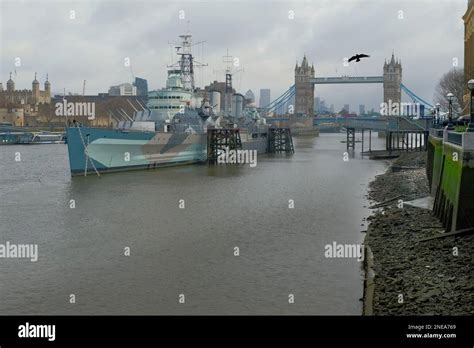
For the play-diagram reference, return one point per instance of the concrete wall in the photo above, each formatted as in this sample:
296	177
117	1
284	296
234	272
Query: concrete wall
434	162
15	116
450	170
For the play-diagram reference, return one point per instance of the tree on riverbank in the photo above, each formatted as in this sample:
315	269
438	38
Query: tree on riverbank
451	82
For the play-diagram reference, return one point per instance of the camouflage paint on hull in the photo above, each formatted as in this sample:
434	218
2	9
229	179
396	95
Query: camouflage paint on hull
114	150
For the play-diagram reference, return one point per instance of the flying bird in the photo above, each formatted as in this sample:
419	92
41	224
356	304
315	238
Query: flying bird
357	57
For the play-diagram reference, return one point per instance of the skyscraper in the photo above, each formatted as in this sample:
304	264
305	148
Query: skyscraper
142	87
322	106
361	109
317	101
249	96
346	107
123	89
264	97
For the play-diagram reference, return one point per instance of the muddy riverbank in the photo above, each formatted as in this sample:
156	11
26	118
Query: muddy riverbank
414	277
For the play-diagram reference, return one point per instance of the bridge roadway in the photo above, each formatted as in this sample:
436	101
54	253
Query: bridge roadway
346	79
383	123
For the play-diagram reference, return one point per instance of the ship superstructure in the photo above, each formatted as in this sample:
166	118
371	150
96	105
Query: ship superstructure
170	129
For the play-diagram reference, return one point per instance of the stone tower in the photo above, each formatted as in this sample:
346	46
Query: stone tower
35	95
10	84
304	89
47	90
392	78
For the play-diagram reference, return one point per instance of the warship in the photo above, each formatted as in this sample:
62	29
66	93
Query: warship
171	129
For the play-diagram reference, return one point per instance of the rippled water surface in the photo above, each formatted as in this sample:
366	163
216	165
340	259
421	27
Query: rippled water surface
186	251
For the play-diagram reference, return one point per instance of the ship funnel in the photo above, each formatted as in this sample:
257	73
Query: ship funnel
237	105
215	101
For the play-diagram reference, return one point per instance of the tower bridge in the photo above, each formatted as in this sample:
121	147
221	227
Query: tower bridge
346	79
305	80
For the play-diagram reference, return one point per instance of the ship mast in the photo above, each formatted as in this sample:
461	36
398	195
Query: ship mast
228	83
228	60
186	63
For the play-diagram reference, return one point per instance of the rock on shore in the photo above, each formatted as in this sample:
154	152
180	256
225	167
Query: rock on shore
410	184
411	277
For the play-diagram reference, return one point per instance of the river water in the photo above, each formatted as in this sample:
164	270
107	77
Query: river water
190	251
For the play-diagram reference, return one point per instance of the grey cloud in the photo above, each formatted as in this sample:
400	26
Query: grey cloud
92	47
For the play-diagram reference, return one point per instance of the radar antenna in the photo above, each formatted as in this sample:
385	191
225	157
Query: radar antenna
229	61
186	63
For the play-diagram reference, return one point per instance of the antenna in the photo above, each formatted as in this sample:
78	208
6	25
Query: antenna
228	59
228	70
186	63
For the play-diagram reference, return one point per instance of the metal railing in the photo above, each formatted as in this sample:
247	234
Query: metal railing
406	140
455	138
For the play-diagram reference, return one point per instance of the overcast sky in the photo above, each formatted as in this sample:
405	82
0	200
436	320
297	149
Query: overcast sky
427	35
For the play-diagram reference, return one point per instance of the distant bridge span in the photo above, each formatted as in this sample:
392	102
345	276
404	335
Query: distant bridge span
346	79
383	123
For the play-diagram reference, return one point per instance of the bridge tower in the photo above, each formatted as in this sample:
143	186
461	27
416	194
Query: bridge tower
304	89
392	78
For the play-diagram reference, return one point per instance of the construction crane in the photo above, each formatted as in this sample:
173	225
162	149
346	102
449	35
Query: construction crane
131	71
